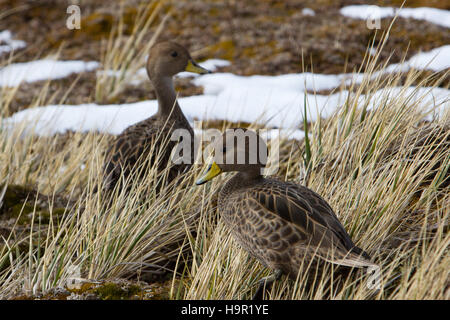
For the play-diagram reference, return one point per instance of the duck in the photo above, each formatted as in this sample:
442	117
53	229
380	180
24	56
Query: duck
136	147
280	223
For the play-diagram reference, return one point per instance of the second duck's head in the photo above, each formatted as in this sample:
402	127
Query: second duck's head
168	58
238	149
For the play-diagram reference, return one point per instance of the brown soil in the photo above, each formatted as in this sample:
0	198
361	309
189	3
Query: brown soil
258	36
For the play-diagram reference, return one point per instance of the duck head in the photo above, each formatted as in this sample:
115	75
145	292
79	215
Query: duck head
168	58
238	149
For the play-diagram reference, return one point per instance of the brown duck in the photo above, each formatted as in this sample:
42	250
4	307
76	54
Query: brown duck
280	223
132	149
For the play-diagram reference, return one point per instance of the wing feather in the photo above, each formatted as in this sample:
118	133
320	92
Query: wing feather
311	215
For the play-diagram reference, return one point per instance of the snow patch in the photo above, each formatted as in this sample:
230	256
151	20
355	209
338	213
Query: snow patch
7	43
308	12
282	108
433	15
16	73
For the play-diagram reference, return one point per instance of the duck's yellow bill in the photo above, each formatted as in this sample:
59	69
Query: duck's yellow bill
212	171
192	66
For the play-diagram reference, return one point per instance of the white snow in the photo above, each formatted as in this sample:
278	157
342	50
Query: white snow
87	117
308	12
276	101
437	60
13	74
7	43
433	15
258	102
281	133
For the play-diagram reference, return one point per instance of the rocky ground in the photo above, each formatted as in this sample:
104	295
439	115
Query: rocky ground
116	289
258	37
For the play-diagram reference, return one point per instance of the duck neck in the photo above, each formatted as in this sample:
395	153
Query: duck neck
240	180
166	95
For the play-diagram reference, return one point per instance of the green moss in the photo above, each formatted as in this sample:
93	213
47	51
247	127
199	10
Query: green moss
129	17
15	194
214	12
12	252
84	287
96	26
22	211
113	291
18	202
4	258
45	216
224	49
109	290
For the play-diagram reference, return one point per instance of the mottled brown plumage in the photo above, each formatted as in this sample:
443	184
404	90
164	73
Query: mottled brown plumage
280	223
138	145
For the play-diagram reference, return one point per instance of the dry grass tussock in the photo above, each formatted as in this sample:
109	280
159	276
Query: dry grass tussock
385	171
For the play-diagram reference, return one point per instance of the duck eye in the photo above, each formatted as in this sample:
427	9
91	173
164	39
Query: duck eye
174	54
